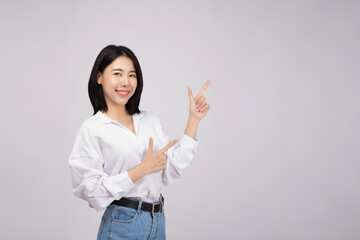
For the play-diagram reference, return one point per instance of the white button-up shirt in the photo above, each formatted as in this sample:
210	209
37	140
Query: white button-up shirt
104	150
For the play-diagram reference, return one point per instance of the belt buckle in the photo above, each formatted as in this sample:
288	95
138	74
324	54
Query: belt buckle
153	208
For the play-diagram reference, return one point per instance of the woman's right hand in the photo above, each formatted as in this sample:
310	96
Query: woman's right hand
153	161
156	161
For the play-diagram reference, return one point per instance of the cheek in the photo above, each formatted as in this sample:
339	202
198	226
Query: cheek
110	84
108	87
134	84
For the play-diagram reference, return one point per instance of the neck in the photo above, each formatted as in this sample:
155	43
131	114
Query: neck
118	113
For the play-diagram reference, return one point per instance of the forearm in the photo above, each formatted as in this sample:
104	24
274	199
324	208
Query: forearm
137	172
191	127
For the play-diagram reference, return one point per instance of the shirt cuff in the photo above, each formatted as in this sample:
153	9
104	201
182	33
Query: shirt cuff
188	143
120	183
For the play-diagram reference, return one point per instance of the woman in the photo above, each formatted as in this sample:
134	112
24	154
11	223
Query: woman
121	158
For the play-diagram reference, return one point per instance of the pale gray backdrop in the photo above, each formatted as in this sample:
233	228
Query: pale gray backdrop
279	150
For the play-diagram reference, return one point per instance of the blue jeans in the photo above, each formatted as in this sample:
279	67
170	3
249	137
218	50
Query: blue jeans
119	222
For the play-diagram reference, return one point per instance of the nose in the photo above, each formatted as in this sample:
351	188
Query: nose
124	81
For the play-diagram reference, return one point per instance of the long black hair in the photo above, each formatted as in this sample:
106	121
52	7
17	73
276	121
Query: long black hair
106	57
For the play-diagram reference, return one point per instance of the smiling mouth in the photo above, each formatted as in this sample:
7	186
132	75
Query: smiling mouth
122	93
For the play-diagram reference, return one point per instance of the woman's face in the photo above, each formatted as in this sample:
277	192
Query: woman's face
118	82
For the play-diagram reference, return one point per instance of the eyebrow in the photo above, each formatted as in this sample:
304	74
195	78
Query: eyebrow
119	69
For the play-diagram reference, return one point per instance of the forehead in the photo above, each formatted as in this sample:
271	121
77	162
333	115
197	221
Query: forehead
122	62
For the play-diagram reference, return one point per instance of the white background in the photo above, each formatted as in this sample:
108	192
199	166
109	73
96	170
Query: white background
279	151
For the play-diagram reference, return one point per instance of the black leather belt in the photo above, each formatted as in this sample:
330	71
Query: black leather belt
145	206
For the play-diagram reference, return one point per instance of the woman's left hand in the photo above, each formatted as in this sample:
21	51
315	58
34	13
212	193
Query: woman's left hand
198	107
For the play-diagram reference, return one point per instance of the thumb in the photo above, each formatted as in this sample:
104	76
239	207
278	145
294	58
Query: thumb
191	97
151	143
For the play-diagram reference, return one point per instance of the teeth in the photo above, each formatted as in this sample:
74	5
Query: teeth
122	92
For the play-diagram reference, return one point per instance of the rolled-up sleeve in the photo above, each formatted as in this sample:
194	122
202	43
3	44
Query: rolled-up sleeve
178	157
89	181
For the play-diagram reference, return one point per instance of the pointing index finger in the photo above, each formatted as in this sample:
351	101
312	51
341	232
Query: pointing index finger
170	144
204	87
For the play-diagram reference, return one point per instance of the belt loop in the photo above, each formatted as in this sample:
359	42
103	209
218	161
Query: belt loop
139	206
161	200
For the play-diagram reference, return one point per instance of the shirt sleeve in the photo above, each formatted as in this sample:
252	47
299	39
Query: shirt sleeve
89	181
178	157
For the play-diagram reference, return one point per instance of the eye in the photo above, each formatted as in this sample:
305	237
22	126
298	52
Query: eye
118	74
132	75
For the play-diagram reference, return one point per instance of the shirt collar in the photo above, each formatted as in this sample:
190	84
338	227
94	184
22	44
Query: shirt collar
106	119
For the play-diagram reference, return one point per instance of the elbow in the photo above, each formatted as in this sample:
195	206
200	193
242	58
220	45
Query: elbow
91	193
94	201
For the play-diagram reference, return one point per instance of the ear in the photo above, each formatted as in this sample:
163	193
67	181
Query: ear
99	78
